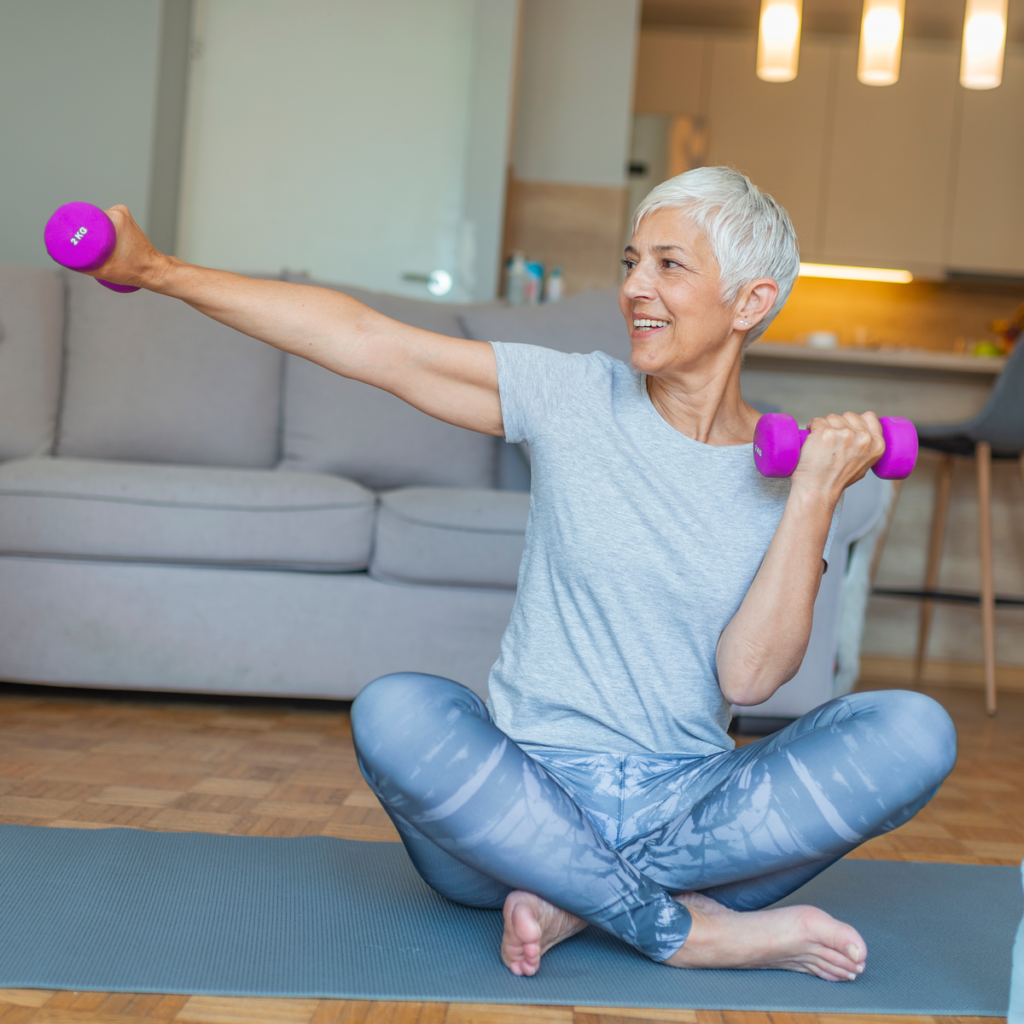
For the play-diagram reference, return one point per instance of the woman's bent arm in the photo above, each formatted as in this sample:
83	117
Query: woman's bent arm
452	379
764	643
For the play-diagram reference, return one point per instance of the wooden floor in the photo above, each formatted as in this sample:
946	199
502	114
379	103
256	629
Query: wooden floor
246	767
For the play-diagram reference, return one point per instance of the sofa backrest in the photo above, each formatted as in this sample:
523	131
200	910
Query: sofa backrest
586	322
31	328
148	379
335	425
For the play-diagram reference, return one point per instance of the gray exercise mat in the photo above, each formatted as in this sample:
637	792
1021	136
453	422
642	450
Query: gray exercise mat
130	911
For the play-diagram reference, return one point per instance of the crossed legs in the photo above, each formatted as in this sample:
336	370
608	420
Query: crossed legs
488	825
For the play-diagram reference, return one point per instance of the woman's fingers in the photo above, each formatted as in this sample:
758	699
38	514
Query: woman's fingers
842	447
871	421
134	254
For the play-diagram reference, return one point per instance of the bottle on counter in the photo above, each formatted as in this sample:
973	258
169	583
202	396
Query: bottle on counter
515	280
534	286
553	286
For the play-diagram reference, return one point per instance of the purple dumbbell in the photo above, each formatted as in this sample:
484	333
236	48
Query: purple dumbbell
81	237
778	440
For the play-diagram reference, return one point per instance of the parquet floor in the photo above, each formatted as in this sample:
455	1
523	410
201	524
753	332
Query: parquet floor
77	759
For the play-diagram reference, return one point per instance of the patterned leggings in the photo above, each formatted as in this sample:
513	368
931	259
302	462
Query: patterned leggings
610	837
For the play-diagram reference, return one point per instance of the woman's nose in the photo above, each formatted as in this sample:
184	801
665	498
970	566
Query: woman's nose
639	284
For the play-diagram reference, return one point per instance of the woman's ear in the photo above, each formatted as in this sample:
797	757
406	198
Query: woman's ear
754	302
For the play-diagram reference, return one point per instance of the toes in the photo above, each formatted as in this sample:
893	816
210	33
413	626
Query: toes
828	975
838	960
824	968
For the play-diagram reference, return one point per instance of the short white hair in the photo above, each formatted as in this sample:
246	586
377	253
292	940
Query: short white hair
750	235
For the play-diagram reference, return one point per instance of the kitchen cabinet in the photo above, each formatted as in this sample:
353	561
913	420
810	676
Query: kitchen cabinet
887	175
922	175
988	208
670	73
776	134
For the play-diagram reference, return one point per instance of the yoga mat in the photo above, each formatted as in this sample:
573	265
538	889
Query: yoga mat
130	911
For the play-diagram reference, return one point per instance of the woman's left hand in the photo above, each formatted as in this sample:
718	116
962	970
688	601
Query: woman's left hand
838	452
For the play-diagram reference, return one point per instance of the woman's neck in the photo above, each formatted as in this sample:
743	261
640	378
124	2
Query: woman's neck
705	403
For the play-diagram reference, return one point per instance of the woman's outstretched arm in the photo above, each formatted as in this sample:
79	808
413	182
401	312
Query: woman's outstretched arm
452	379
765	641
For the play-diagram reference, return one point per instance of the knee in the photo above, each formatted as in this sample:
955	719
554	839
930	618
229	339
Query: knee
396	710
920	724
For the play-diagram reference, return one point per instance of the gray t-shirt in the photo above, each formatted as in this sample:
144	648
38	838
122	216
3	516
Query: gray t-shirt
640	545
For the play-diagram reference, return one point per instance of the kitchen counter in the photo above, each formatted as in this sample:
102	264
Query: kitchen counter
889	362
923	385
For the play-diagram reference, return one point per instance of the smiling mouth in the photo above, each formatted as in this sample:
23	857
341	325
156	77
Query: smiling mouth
648	324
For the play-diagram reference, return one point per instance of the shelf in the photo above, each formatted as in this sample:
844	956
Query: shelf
894	358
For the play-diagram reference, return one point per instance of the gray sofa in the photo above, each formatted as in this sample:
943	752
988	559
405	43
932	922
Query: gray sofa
184	508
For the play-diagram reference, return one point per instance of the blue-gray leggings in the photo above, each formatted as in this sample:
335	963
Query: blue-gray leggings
609	837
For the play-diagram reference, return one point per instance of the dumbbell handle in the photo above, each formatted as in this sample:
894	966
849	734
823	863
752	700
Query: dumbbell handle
778	440
81	237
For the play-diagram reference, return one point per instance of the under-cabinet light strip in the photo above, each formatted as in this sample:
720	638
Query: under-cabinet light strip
855	273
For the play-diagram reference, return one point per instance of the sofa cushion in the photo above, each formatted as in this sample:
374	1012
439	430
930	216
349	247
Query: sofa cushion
336	425
148	379
453	536
31	335
84	508
587	322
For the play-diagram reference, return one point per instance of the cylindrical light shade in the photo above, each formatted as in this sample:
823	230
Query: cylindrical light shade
778	42
881	41
981	60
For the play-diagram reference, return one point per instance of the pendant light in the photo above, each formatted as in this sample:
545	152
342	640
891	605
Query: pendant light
981	60
881	40
778	40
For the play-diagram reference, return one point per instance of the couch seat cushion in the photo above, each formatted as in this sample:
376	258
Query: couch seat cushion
85	508
447	535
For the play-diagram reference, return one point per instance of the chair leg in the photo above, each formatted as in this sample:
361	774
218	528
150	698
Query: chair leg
931	576
988	599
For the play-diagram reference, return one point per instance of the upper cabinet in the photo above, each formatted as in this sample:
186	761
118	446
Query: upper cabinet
988	209
775	134
921	175
671	73
888	169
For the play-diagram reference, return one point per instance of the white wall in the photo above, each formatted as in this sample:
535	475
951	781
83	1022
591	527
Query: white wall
334	137
575	99
77	94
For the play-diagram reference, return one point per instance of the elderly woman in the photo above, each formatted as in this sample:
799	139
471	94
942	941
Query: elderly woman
663	580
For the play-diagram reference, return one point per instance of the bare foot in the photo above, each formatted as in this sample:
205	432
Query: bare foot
532	927
790	939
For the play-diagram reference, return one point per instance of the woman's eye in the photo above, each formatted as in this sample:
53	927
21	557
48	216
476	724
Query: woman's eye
628	264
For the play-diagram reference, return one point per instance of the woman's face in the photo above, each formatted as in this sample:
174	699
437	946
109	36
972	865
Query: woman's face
671	296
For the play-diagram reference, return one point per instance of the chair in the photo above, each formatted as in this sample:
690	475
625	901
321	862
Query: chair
995	432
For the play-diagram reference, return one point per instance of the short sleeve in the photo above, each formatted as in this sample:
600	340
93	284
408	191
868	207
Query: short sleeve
836	516
532	382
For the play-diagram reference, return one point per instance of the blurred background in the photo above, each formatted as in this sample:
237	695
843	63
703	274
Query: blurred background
363	141
443	149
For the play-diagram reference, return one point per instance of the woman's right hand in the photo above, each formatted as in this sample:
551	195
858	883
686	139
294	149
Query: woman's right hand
135	260
839	450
